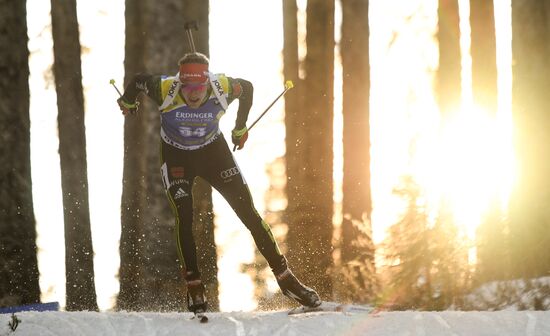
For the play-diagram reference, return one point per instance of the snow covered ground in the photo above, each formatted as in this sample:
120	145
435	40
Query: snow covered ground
411	323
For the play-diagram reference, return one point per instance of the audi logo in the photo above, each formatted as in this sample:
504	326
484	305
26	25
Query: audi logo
229	172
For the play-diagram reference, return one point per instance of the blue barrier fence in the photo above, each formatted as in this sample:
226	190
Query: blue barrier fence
48	306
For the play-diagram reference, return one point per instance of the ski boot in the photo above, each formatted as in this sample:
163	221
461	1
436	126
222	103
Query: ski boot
294	289
196	299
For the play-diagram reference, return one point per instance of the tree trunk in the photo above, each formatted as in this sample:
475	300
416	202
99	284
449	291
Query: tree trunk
448	85
529	220
484	56
293	116
357	246
492	247
292	100
150	218
19	270
133	181
293	123
310	212
79	254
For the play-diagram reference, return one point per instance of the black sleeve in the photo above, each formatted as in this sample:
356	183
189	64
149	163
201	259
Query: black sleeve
148	84
245	102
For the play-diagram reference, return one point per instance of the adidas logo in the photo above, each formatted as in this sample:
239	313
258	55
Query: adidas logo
180	193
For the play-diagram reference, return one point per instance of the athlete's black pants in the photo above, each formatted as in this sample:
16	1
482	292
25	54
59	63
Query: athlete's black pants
215	164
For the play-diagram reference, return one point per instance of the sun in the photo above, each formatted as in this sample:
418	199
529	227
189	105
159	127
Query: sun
468	164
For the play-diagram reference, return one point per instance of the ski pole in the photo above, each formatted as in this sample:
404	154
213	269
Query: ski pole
189	26
112	82
136	106
288	85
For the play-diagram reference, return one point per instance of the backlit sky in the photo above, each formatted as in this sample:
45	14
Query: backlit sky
402	108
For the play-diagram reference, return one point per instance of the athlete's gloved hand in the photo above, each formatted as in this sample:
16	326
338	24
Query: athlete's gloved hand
239	137
126	107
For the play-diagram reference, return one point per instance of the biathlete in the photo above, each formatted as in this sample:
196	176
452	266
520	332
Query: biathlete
191	105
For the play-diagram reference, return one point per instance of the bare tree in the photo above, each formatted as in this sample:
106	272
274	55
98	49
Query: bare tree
492	242
133	201
19	267
484	56
150	273
310	191
164	44
529	220
79	254
291	65
448	85
293	115
357	245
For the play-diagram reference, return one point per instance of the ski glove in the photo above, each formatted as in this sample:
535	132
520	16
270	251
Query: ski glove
239	137
126	108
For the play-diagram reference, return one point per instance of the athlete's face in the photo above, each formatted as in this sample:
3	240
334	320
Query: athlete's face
194	93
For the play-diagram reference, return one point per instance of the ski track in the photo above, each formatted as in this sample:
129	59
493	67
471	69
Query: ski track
238	326
408	323
531	325
418	318
282	329
444	323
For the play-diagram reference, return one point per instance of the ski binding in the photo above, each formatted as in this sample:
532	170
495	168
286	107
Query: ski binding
201	316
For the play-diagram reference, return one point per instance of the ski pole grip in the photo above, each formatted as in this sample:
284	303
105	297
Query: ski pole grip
191	25
289	85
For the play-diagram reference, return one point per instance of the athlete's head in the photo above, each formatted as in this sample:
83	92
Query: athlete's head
193	77
193	68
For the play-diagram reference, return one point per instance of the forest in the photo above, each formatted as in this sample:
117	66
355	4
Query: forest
426	260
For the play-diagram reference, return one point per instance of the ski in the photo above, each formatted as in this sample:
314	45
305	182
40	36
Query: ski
331	307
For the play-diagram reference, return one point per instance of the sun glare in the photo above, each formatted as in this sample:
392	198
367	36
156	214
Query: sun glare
468	166
474	150
475	146
465	162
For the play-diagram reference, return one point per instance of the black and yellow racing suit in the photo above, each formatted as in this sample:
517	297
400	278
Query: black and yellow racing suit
192	145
